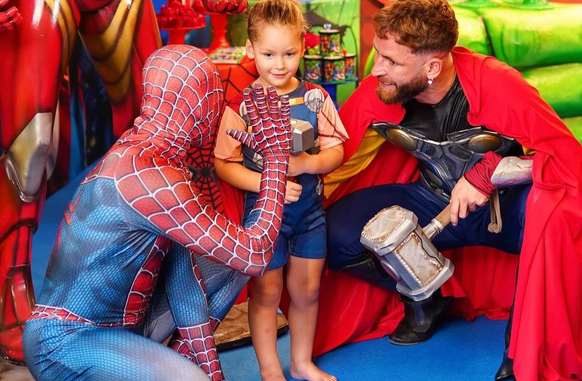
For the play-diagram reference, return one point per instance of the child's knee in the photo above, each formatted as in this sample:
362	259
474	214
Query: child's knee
304	293
266	294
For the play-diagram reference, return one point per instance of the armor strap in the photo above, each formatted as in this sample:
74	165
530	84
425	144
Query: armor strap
495	212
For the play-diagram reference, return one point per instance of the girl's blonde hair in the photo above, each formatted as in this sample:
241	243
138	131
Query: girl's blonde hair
276	12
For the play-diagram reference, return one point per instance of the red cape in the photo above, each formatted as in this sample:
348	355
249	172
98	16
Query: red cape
546	340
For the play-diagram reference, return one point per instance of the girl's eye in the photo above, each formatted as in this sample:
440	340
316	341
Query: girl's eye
290	54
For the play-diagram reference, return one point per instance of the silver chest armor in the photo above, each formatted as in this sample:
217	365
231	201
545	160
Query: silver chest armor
443	163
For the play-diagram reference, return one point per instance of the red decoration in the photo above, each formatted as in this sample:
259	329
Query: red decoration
311	40
225	6
177	15
178	19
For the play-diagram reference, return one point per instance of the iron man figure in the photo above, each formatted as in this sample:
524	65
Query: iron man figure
37	38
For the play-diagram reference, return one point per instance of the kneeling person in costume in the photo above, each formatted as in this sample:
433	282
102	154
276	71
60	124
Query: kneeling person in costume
459	113
276	43
138	224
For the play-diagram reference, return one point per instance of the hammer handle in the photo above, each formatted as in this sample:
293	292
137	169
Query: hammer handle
438	224
444	216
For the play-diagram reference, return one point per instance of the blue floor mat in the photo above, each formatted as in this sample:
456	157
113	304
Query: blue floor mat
459	350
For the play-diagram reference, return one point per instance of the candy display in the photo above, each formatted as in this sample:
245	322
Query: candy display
349	66
329	42
312	68
333	69
325	61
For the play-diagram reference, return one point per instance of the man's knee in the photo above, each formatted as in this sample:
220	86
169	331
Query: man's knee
342	252
343	245
334	263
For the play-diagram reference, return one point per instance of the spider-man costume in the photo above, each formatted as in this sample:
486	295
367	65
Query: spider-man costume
137	220
37	39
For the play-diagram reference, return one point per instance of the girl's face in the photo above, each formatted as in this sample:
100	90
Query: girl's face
277	53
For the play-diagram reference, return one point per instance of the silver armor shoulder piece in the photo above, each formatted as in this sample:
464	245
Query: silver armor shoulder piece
512	170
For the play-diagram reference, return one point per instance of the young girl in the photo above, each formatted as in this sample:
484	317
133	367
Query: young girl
276	29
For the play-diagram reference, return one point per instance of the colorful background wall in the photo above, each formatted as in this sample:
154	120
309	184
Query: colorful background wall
546	45
543	41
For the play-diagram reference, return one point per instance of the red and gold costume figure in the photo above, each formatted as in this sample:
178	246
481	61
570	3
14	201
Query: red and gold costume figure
36	39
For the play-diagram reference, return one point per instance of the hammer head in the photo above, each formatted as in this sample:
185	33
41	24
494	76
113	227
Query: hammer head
303	136
406	253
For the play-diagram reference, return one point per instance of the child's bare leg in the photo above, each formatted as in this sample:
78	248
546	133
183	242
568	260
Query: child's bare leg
264	297
303	279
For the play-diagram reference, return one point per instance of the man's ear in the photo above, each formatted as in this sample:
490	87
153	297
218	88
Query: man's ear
249	49
435	65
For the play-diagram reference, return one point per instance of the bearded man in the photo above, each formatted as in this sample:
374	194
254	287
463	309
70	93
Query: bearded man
458	121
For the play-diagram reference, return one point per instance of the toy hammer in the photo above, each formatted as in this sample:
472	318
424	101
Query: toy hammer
406	252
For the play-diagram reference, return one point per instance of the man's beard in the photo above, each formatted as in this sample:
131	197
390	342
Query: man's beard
402	93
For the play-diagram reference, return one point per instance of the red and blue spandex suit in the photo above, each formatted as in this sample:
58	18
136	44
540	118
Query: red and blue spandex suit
137	225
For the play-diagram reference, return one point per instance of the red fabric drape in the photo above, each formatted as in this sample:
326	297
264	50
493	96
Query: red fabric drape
546	336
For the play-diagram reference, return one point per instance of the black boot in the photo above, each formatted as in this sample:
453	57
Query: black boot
370	270
419	317
419	320
505	371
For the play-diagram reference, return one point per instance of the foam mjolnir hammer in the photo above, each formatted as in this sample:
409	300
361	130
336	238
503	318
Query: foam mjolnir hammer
406	252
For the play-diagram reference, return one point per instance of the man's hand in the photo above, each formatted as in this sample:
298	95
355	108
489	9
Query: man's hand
292	192
9	19
464	199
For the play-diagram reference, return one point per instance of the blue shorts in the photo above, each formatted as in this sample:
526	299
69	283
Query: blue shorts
303	232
